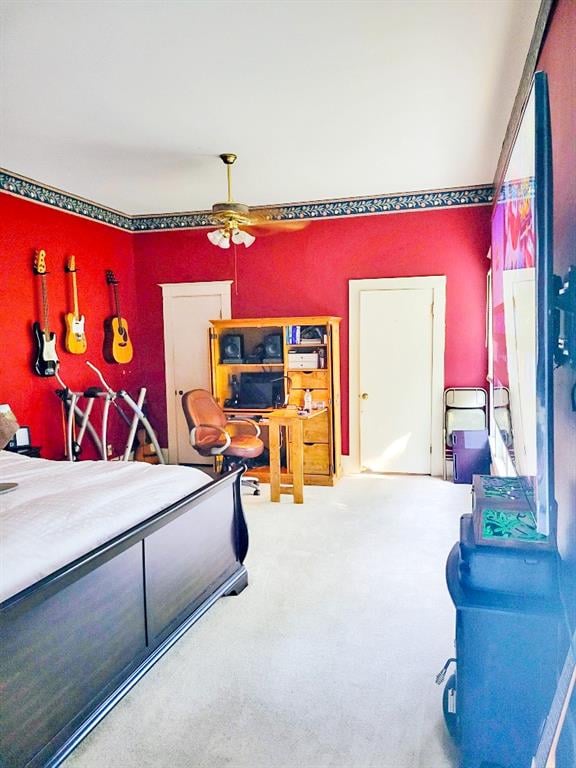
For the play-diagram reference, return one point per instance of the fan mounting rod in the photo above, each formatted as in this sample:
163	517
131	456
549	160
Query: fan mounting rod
229	158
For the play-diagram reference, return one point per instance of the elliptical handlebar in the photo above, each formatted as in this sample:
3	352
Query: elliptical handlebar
105	384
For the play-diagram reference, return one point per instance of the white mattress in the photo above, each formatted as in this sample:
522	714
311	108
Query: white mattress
61	510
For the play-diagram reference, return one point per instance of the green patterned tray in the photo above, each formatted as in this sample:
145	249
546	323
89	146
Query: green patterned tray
510	524
504	488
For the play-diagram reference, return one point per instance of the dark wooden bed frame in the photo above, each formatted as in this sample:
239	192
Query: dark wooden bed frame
75	642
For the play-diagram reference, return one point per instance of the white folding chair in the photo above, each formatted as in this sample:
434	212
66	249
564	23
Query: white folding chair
464	408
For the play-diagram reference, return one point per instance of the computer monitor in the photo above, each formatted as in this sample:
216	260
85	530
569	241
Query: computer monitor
261	390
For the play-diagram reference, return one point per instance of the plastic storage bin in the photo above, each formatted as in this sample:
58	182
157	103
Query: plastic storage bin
471	454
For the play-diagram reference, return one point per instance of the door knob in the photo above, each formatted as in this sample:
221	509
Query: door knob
364	395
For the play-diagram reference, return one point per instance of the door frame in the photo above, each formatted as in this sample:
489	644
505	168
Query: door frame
171	291
355	287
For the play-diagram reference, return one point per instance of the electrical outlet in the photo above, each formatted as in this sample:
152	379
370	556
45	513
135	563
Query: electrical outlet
109	450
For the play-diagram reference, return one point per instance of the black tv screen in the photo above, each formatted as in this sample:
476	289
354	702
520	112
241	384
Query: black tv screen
261	390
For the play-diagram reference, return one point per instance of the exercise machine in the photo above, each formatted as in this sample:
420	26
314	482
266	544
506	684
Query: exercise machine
82	416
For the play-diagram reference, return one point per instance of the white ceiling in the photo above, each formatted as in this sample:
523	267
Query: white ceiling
129	103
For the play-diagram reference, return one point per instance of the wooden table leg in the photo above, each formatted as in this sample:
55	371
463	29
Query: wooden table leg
274	438
297	460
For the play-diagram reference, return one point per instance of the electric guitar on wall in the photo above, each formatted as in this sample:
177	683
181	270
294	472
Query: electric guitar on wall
75	339
117	344
46	362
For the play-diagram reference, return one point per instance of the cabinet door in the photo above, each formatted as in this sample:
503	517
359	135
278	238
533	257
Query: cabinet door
316	459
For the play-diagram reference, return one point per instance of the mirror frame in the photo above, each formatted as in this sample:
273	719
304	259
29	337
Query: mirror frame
545	341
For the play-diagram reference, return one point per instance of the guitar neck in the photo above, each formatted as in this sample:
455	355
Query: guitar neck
75	295
117	302
45	328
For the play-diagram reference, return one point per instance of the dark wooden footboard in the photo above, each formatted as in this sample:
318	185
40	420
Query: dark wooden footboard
74	643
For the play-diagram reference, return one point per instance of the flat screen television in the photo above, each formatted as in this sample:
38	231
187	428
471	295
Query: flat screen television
523	305
260	390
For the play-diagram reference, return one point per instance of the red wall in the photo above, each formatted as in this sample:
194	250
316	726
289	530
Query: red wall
26	227
307	272
295	273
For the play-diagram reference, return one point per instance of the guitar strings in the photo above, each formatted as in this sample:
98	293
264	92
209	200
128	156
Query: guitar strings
117	300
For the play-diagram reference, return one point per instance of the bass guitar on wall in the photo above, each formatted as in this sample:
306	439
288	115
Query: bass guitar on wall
75	338
46	361
117	344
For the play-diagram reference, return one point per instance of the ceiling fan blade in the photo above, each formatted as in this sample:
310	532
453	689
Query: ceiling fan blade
263	228
264	219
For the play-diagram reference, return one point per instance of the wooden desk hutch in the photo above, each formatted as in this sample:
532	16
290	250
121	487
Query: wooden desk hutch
306	356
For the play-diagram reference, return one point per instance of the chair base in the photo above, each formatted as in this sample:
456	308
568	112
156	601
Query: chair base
252	482
231	462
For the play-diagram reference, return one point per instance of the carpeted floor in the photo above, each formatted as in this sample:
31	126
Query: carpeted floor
327	660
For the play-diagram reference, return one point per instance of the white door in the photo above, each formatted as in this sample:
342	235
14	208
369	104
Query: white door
188	310
395	356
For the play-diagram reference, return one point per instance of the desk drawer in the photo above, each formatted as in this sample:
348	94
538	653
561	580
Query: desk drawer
317	379
316	459
317	429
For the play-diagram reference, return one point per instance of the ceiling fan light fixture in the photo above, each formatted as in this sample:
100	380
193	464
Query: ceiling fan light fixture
219	237
239	237
214	236
248	239
232	216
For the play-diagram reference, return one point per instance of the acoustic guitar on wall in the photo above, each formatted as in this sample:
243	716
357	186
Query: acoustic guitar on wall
145	450
46	360
75	338
117	344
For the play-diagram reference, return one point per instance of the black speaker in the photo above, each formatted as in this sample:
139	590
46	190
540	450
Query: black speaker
273	348
232	348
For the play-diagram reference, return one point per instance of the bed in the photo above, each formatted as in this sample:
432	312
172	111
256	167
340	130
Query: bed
104	565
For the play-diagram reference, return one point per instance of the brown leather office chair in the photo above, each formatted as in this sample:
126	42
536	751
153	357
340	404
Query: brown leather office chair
208	435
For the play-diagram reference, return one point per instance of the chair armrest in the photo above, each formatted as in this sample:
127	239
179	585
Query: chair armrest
252	423
216	449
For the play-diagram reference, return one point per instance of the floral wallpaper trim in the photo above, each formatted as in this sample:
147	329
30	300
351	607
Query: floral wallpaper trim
322	209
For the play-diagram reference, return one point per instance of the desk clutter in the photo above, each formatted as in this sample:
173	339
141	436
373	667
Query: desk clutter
261	365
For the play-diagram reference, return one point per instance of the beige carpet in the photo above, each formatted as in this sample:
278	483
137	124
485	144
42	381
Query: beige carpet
327	660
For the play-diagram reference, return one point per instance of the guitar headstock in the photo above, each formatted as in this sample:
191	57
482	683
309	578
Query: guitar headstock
40	262
71	266
110	278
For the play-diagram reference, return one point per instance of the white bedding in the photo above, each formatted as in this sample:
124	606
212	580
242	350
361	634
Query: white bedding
61	510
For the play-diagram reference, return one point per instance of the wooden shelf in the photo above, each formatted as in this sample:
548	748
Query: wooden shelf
322	437
310	344
251	366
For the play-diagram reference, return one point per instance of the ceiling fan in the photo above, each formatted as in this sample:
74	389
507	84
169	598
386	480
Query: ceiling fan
235	220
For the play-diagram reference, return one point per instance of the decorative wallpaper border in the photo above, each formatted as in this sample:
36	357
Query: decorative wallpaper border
39	193
321	209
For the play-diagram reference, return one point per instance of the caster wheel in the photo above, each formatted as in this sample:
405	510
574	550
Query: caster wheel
449	708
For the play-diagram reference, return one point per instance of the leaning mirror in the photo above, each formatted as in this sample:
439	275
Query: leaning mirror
522	345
